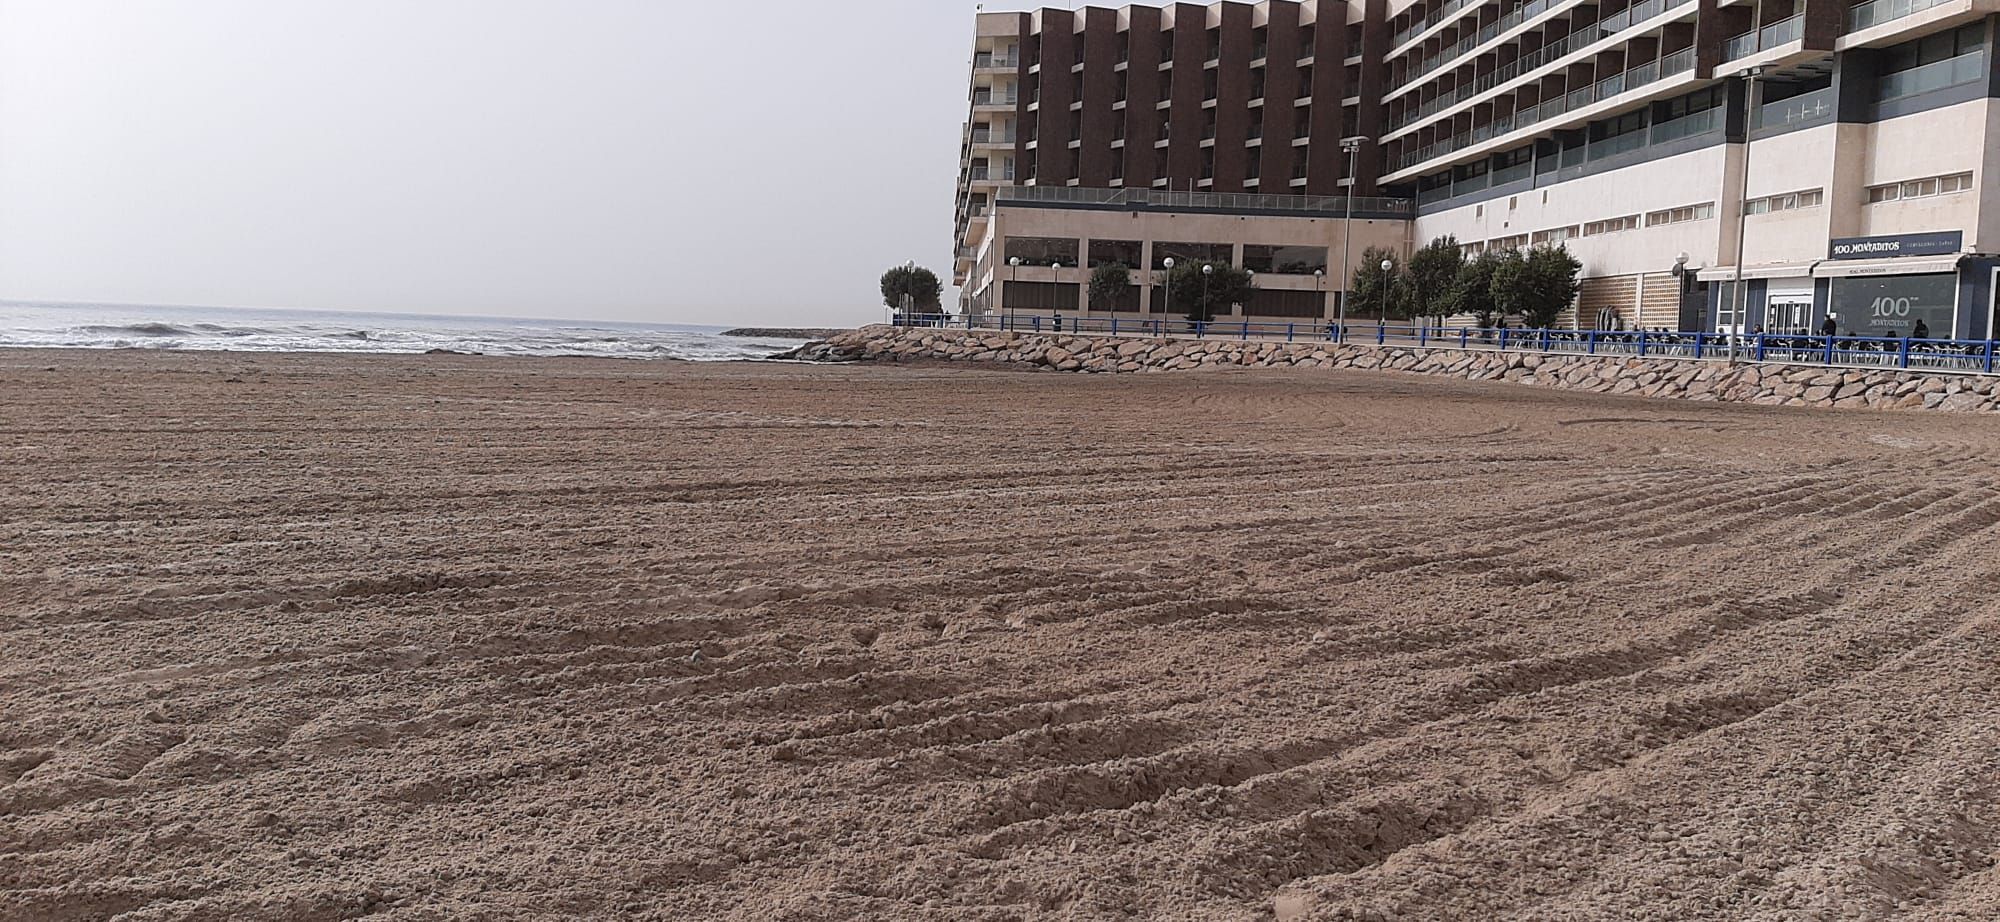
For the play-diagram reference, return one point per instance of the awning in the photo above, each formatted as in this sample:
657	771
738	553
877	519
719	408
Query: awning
1761	271
1905	265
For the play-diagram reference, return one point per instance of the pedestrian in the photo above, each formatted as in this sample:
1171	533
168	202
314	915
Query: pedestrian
1922	331
1831	327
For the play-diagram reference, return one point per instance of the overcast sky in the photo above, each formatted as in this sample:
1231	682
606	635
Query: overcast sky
651	160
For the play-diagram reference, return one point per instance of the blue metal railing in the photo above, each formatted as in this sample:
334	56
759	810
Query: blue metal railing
1950	355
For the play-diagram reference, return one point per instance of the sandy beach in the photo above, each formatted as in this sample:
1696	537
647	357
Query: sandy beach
444	638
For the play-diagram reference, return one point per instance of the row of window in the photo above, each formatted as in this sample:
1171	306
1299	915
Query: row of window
1262	258
1788	201
1920	188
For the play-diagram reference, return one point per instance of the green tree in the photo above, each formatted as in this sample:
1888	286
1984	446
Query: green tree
1432	276
1537	286
920	284
1202	295
1108	284
1381	292
1472	292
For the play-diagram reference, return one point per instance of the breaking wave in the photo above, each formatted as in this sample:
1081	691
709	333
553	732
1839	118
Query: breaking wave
95	327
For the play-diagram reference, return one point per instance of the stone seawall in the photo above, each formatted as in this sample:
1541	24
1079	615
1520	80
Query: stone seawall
1768	383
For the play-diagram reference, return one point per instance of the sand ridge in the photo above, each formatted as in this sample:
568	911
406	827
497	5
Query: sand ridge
327	637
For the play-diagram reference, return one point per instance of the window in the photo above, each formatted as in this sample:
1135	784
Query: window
1920	188
1788	201
1284	260
1508	243
1115	252
1553	236
1933	62
1473	249
1190	252
1611	225
1681	215
1306	36
1041	251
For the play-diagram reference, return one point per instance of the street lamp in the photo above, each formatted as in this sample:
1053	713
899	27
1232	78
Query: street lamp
1055	275
1207	269
1013	275
1382	315
1353	148
1167	311
1319	290
1736	293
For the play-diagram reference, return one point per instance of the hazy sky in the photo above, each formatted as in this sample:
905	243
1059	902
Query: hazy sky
652	160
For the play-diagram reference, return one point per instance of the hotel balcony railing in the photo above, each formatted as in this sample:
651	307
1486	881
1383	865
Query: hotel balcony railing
1771	36
988	61
995	99
1685	126
1436	16
1526	63
1217	200
1876	12
992	137
1675	63
992	176
1584	34
1936	75
1801	109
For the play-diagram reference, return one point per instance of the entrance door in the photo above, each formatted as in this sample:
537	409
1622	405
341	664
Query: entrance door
1789	314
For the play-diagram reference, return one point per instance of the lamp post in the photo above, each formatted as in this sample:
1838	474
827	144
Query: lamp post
1737	295
1353	148
1168	310
1382	316
1055	276
1207	315
1319	290
1013	275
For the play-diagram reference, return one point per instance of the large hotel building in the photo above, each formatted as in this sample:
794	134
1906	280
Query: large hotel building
1852	143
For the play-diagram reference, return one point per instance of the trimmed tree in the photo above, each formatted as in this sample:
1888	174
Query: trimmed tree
1108	284
1432	275
1537	286
920	284
1383	293
1472	292
1201	296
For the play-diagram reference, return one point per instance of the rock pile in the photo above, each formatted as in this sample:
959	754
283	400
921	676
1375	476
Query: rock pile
1770	384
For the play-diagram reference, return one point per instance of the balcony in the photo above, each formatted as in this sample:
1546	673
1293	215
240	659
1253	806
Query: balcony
995	100
993	138
1436	16
1803	109
1584	33
987	61
1542	57
1876	12
1679	62
1782	32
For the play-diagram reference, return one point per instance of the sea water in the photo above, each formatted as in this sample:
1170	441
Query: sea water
99	326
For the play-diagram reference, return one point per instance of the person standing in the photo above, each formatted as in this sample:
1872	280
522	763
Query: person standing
1831	327
1922	331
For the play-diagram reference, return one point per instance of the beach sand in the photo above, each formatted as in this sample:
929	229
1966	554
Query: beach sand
439	637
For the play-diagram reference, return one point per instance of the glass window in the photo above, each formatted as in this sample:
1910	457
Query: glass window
1115	252
1891	305
1042	251
1190	252
1284	260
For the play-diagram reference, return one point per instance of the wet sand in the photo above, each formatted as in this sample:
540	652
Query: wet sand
442	637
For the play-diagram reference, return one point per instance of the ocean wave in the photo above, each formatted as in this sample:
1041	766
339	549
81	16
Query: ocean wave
140	329
281	332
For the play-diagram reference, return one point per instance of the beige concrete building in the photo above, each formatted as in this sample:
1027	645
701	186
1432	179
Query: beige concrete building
1853	144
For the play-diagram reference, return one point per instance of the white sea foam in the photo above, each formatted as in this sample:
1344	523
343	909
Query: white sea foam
122	327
